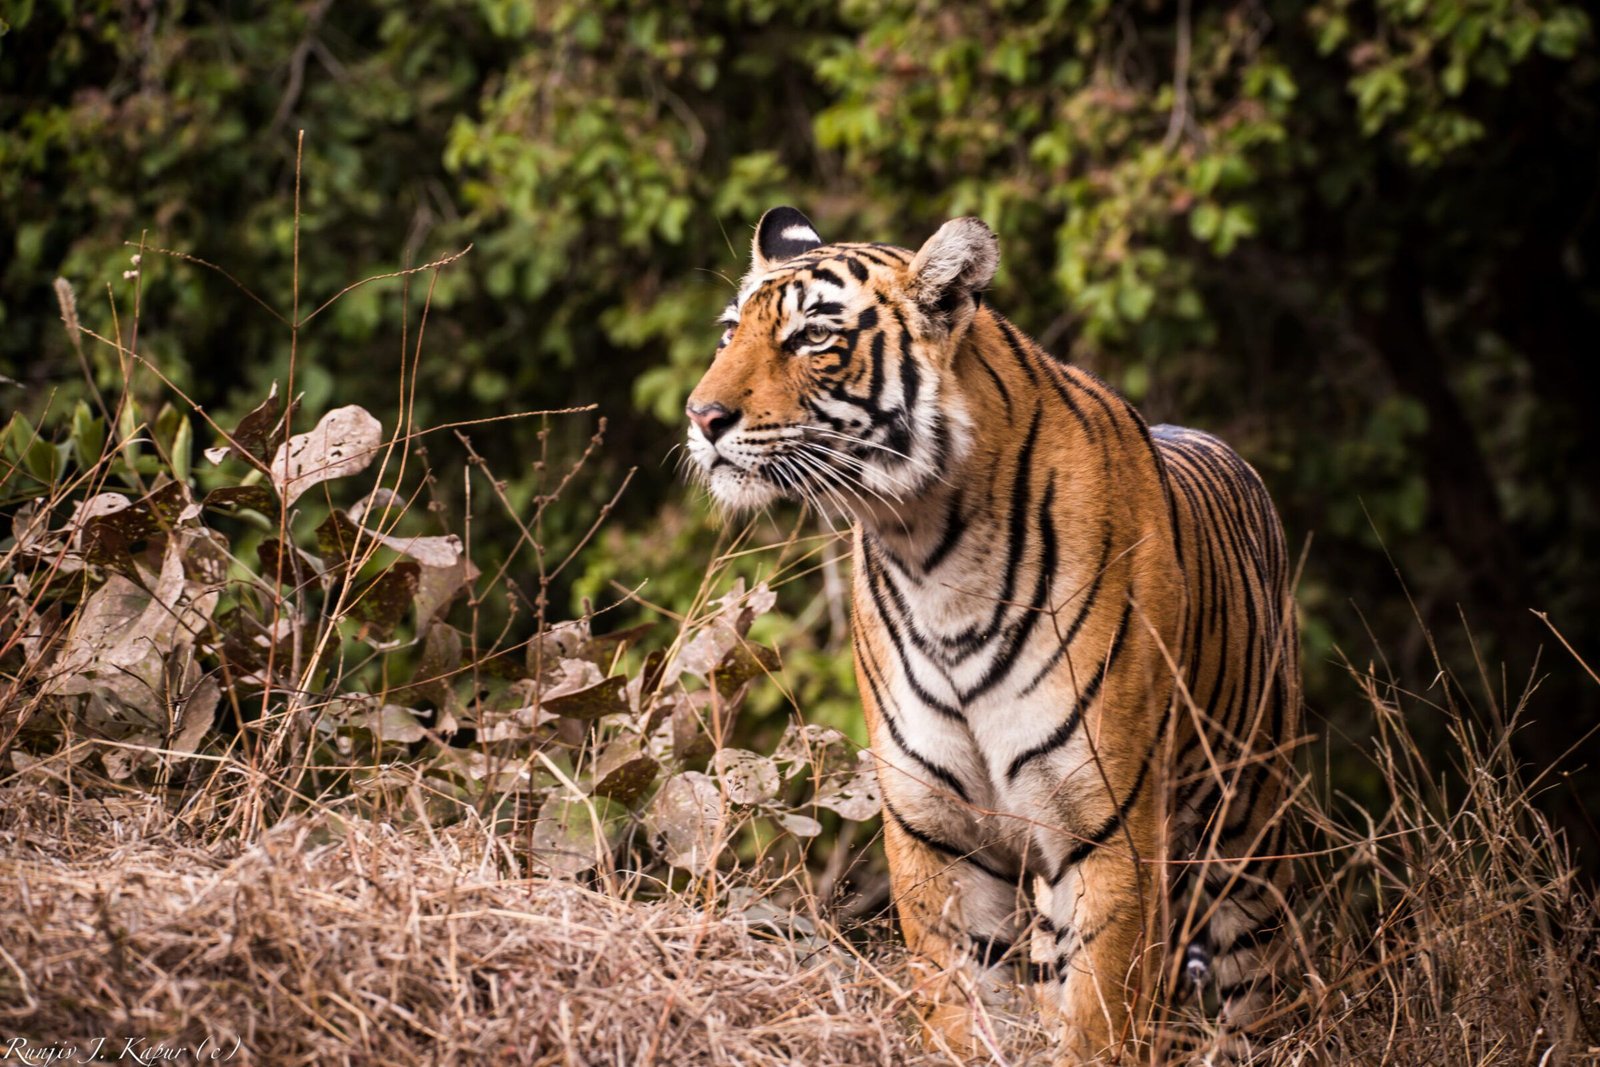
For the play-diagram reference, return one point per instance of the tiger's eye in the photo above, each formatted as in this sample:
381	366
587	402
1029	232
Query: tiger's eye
816	333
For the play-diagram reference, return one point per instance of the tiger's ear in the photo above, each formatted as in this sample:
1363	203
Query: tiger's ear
782	233
952	268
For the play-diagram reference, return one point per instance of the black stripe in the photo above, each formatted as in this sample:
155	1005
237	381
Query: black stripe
1258	936
1018	349
1112	824
954	527
1228	992
873	255
886	709
1084	609
1018	632
875	578
925	838
988	949
975	638
994	376
826	275
1064	732
1026	357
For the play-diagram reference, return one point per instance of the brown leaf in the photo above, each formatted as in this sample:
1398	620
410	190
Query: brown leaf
110	538
436	666
623	773
744	662
256	432
853	794
564	839
338	539
286	568
603	648
689	739
231	497
606	698
380	603
441	585
687	815
345	441
747	778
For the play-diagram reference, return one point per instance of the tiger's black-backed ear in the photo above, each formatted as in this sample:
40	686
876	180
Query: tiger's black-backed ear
782	233
952	268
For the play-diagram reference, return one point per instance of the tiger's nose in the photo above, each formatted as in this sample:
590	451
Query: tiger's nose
714	420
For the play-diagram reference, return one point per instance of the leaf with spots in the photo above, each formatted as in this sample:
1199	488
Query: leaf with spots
236	497
686	817
572	835
344	442
608	697
257	431
380	603
623	772
747	778
853	794
293	568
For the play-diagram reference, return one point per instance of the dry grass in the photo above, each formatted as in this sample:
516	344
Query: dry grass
333	942
1449	927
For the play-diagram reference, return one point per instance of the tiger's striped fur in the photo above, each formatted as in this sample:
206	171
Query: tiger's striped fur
1073	634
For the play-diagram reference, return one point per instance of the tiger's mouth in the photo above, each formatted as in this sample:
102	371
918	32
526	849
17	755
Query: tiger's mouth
833	477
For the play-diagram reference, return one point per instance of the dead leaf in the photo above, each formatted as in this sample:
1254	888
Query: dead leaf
799	825
295	569
344	442
623	772
687	816
258	497
854	794
564	839
747	777
381	602
608	697
256	431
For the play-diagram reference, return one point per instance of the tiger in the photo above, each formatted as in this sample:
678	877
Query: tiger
1073	635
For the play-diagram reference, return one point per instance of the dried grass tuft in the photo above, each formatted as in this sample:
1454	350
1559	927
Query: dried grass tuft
334	942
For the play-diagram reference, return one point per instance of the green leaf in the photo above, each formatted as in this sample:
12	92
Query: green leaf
182	449
1563	32
1134	297
88	435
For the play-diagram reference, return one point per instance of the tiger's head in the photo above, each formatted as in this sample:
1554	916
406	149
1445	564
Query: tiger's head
832	383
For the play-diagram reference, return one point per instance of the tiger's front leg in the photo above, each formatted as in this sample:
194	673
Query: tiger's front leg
1095	916
961	917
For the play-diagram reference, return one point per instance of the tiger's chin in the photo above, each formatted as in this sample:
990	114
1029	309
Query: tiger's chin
739	491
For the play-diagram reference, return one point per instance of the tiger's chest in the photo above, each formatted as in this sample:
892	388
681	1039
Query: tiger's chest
976	672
